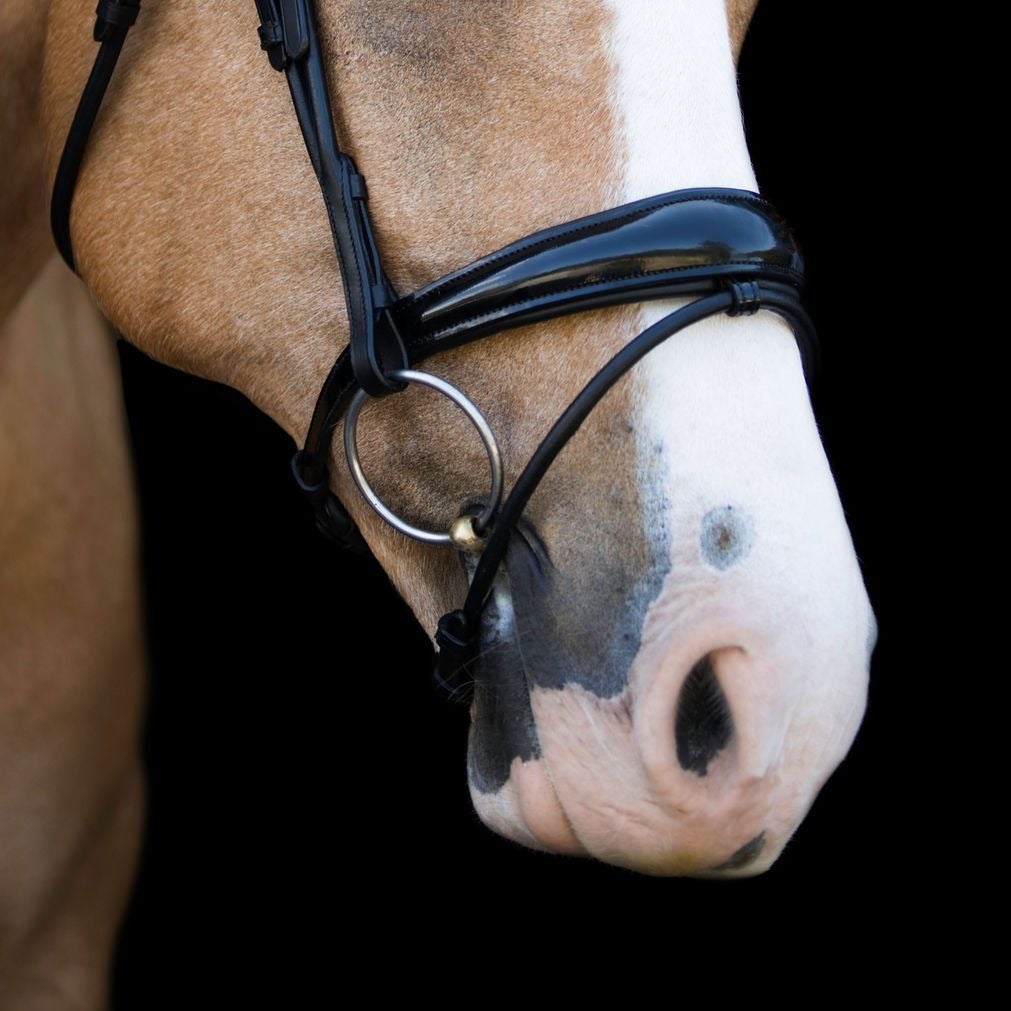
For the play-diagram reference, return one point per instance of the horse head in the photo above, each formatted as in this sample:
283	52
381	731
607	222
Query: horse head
674	655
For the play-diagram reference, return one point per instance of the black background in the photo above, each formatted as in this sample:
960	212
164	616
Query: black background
303	789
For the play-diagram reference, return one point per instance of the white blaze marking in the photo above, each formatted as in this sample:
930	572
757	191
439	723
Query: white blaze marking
707	388
676	96
725	415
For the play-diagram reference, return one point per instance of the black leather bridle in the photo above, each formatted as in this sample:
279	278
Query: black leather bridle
728	247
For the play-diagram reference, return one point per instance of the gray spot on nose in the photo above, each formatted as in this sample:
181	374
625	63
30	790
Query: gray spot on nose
727	536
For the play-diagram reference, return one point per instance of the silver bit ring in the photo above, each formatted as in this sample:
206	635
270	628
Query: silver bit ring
477	419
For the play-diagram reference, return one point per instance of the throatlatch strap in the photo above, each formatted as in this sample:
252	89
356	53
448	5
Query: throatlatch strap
113	19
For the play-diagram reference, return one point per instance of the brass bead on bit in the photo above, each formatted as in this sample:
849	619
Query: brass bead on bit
465	537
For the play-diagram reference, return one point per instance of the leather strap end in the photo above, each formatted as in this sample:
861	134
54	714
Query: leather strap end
458	647
272	43
295	28
113	16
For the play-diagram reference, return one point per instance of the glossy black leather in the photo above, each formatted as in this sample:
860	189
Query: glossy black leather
671	244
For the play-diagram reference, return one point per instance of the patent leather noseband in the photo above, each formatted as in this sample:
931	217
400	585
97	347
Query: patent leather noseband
727	248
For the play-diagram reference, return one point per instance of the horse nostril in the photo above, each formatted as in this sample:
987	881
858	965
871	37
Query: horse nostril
703	725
